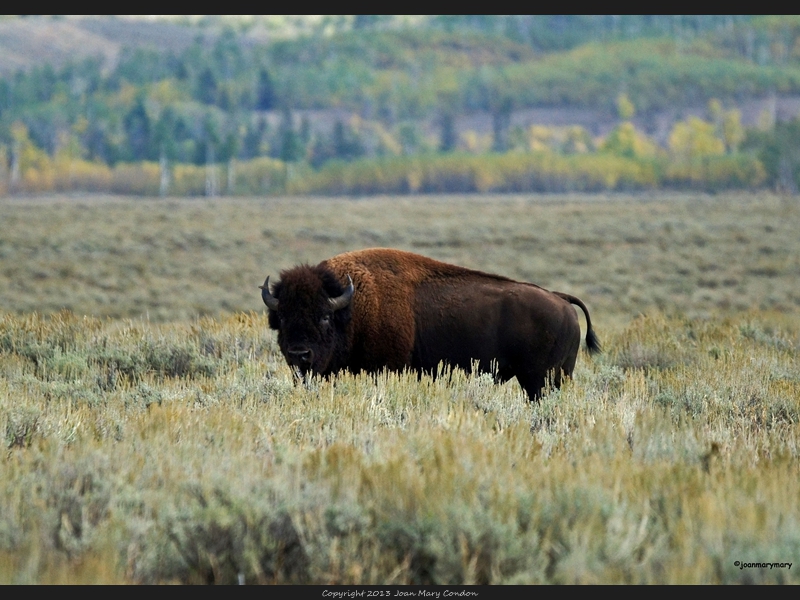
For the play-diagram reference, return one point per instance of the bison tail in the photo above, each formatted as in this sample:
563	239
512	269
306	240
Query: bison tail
592	343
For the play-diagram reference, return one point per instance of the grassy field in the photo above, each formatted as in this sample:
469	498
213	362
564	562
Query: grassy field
152	432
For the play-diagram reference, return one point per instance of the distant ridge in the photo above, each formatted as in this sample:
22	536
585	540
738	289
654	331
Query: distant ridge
35	41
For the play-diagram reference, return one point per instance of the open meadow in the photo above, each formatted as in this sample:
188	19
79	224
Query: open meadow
152	433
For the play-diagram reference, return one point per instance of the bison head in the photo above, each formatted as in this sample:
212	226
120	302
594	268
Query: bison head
310	309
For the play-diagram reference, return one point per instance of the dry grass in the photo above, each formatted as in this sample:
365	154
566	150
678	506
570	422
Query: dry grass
146	451
171	260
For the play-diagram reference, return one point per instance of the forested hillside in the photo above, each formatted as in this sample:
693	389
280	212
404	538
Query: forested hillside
113	104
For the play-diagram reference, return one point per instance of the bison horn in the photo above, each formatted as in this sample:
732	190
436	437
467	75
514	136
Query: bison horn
344	299
270	300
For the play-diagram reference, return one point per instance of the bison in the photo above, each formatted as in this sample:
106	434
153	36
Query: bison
380	308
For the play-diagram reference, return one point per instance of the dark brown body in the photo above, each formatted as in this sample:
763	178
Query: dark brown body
409	311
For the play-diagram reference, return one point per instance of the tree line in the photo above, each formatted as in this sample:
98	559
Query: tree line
224	100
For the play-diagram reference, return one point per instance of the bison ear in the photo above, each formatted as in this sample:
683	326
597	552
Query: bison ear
273	320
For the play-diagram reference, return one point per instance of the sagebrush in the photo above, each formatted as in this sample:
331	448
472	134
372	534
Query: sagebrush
178	449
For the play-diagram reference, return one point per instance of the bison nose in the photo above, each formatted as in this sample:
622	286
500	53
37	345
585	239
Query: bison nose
304	355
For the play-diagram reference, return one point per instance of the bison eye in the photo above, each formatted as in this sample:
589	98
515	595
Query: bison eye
325	321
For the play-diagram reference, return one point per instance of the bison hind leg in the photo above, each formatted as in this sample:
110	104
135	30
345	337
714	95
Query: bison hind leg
502	375
535	384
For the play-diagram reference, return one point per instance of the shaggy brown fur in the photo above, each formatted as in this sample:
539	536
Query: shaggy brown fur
409	311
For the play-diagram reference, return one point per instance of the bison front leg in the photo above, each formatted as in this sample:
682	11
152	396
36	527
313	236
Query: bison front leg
303	378
298	377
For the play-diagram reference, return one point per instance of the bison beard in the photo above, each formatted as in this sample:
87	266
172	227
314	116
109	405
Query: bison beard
386	309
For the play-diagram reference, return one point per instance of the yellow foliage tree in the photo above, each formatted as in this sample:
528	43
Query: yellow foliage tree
732	130
625	140
32	168
540	138
694	138
475	143
625	108
578	140
165	93
3	171
28	155
716	112
727	125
